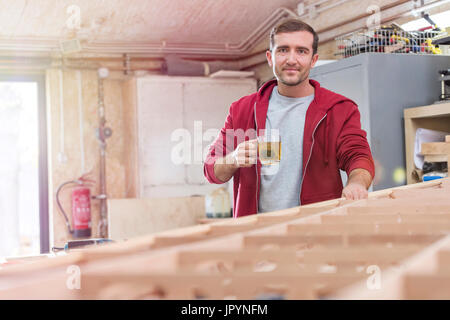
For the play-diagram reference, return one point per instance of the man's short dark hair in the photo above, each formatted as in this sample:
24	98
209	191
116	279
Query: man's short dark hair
293	25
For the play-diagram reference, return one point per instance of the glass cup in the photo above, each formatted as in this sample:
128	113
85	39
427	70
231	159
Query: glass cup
269	148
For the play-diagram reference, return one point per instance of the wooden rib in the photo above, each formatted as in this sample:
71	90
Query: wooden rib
318	250
358	255
394	280
386	218
430	284
427	286
288	260
194	286
363	228
305	241
283	260
443	257
410	209
380	194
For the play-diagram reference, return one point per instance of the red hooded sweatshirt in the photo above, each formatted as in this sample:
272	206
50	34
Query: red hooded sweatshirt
332	140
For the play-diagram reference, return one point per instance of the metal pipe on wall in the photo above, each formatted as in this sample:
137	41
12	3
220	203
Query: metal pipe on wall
27	44
242	48
223	52
102	134
362	16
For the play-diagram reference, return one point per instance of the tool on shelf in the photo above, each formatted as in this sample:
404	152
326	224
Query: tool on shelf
391	39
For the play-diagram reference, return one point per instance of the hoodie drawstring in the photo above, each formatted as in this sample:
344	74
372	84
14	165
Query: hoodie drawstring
325	137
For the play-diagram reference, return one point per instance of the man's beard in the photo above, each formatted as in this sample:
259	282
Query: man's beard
302	76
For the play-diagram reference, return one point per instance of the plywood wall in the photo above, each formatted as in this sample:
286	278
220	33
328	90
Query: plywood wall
167	106
120	154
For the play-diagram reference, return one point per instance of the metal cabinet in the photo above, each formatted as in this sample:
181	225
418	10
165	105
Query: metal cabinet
383	85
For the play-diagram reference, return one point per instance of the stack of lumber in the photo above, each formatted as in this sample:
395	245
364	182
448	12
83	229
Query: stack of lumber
394	245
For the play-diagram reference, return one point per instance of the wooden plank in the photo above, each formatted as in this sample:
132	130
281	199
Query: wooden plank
278	241
232	260
437	110
426	287
410	130
129	218
435	148
435	158
393	280
288	260
46	264
356	256
402	210
303	252
79	258
437	192
168	241
386	218
272	219
212	220
220	230
443	257
239	286
51	286
147	242
361	228
310	241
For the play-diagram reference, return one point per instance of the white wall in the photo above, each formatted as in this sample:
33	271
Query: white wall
168	106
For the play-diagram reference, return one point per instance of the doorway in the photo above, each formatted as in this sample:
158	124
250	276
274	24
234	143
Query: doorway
23	167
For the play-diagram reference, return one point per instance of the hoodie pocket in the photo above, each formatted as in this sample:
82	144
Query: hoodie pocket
247	177
322	141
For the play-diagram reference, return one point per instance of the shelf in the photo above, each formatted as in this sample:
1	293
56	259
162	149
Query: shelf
433	117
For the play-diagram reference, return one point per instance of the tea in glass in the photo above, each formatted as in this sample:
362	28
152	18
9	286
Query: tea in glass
269	150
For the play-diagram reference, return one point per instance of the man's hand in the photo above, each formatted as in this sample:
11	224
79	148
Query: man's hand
359	181
355	191
246	154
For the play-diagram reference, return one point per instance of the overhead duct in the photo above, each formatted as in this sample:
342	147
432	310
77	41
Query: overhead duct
174	65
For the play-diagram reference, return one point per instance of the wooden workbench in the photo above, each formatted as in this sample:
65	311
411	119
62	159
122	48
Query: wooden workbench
394	245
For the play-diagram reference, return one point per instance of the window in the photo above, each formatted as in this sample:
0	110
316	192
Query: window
23	167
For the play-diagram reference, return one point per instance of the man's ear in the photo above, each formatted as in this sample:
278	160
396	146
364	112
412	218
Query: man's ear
269	57
314	60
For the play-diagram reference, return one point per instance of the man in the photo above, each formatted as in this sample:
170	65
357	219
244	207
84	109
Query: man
320	133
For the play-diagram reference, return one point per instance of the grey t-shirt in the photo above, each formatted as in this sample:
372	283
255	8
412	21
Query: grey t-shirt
280	184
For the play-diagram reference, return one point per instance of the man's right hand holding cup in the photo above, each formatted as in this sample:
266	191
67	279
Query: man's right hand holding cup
246	154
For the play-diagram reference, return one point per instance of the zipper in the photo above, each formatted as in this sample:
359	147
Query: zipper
310	153
256	166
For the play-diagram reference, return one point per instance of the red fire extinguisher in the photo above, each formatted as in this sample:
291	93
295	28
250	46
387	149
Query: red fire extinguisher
81	208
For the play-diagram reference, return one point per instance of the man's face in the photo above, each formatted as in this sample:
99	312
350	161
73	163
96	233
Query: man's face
292	57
